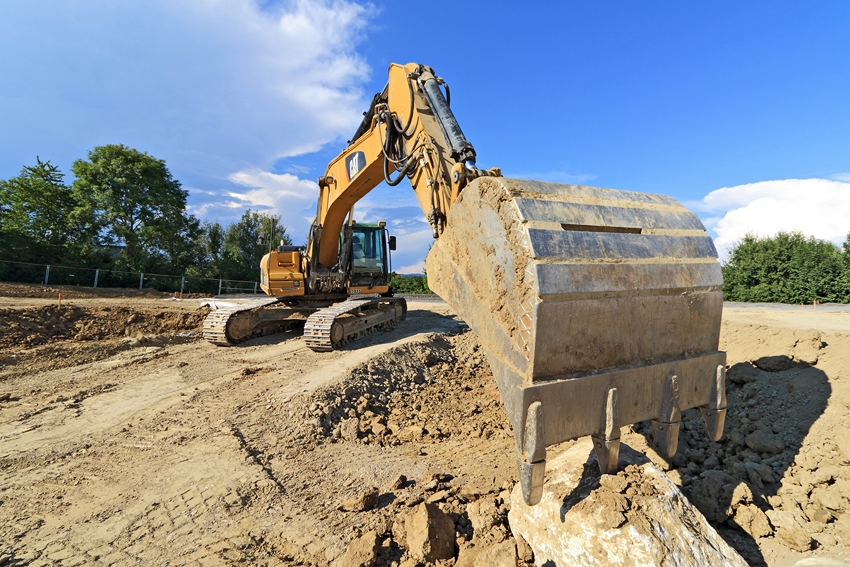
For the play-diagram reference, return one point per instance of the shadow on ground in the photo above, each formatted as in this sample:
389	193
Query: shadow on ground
772	404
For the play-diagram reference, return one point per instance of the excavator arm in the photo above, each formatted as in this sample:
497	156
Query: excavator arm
596	308
408	132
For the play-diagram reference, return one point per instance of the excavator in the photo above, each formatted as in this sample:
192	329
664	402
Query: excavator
596	308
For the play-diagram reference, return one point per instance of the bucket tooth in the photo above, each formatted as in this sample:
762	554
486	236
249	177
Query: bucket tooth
532	458
714	413
666	426
607	444
580	297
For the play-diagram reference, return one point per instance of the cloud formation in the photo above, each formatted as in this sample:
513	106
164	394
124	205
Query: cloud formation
815	207
213	86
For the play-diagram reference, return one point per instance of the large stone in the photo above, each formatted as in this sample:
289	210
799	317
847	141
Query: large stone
796	539
362	502
483	514
430	533
763	441
502	554
361	552
712	495
752	520
645	521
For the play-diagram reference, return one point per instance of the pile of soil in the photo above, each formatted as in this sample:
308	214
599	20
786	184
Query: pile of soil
52	292
40	325
423	392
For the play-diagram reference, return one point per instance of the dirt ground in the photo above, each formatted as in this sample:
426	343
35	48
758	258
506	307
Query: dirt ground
125	439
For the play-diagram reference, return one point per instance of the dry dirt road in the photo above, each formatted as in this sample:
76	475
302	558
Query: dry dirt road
126	440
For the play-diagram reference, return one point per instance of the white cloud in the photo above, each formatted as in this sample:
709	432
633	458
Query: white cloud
841	176
272	190
212	86
815	207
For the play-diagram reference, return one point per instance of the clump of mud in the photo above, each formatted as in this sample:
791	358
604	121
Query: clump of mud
424	392
37	326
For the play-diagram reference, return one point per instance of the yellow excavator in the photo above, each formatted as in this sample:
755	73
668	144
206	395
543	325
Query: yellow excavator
596	308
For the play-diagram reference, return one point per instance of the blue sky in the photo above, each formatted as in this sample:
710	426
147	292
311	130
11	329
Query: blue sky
740	110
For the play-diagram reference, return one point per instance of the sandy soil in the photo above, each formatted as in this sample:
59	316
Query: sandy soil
150	446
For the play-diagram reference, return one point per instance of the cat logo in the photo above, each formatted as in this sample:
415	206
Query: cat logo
354	163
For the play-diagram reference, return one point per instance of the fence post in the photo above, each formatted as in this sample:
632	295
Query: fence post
219	287
96	273
255	287
182	282
46	274
141	280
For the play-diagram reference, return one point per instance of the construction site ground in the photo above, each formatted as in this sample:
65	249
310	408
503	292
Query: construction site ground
125	439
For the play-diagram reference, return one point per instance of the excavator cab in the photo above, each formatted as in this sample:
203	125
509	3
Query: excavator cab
369	266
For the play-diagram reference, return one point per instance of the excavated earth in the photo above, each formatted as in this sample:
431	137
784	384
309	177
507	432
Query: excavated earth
127	440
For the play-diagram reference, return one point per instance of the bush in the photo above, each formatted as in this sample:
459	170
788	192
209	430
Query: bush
787	268
409	284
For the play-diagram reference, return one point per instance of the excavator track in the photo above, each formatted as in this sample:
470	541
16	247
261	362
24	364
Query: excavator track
245	319
344	322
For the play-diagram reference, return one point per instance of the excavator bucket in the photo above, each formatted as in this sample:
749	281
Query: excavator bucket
596	308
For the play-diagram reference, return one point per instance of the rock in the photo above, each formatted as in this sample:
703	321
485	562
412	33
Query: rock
712	495
820	562
794	538
819	515
411	433
752	520
438	496
523	550
397	482
777	363
736	437
651	524
743	373
828	497
764	472
430	533
130	341
782	519
365	501
483	514
470	491
349	429
712	462
502	554
134	318
763	441
361	552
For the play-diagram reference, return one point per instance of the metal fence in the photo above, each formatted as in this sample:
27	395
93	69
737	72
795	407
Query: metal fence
52	274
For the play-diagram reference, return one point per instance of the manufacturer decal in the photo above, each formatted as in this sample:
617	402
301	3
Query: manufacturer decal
354	163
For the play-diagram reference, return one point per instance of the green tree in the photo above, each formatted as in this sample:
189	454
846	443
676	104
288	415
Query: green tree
786	268
37	216
242	254
132	199
409	284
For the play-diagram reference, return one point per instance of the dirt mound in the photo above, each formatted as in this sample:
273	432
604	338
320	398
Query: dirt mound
52	292
37	326
424	392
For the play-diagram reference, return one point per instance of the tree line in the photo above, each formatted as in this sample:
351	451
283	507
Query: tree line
787	268
123	211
